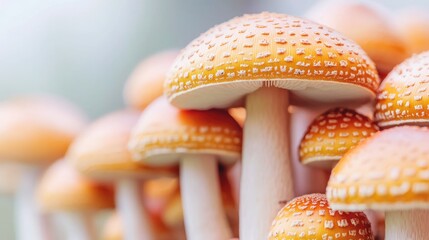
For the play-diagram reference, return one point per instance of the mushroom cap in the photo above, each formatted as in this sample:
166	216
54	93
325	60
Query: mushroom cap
101	151
164	134
413	24
369	24
37	129
238	57
146	82
239	114
403	97
388	171
332	134
310	217
63	189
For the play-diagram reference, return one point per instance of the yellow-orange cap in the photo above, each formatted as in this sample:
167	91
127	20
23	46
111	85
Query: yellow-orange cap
146	82
388	171
101	151
403	97
332	134
367	23
414	27
239	114
62	188
37	129
165	133
238	57
310	217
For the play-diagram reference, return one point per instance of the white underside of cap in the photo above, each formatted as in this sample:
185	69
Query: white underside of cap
353	207
411	122
326	162
304	92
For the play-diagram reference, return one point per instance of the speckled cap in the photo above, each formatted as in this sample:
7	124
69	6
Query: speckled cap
238	57
165	133
388	171
310	217
403	97
332	134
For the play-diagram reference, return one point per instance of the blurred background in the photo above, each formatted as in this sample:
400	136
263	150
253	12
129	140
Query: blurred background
85	49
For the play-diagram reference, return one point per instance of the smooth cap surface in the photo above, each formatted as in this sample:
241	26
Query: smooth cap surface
414	27
388	171
332	134
310	217
403	97
238	57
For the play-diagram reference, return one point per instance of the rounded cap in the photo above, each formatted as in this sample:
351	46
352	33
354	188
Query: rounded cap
101	151
238	57
369	24
332	134
62	188
164	134
37	129
146	82
389	171
403	97
310	217
413	25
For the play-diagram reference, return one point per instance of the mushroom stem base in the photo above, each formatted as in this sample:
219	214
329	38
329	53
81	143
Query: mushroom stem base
266	181
408	224
204	214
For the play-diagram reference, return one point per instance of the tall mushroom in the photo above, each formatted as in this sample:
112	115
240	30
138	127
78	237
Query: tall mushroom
369	24
198	141
34	132
101	153
72	200
263	59
387	172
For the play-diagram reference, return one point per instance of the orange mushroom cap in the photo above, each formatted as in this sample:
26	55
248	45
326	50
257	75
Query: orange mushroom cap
310	217
388	171
403	97
414	28
238	57
332	134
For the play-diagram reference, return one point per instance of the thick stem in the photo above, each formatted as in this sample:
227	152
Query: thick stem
266	180
408	224
30	223
204	214
136	222
76	226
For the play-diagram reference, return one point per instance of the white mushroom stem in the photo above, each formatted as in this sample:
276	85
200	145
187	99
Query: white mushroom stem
203	210
30	222
136	222
75	226
407	224
266	179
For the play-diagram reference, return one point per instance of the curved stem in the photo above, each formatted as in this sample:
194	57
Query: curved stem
76	226
204	214
129	202
266	179
407	224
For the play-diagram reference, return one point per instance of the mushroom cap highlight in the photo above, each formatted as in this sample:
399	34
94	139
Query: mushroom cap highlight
388	171
237	57
63	189
369	24
310	217
403	97
102	150
332	134
37	129
164	134
146	82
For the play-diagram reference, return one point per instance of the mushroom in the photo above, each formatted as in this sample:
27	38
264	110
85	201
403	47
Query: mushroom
387	172
369	24
145	83
198	141
10	175
101	153
263	59
311	217
402	98
72	199
34	132
413	24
